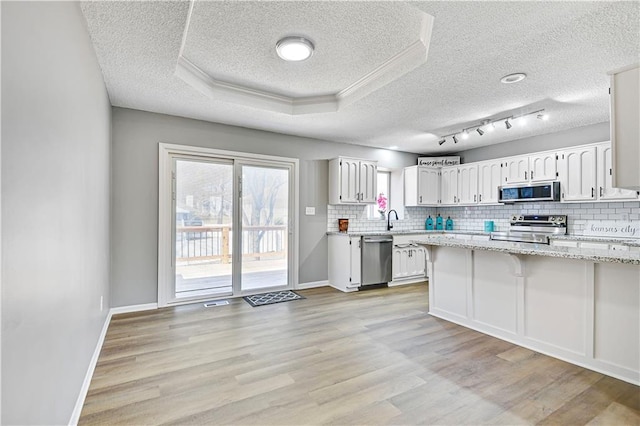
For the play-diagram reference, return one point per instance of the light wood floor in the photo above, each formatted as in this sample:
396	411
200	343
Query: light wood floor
373	357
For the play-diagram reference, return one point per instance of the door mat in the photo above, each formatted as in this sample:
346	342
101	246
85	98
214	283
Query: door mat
273	297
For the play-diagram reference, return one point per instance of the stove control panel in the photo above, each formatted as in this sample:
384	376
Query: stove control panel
544	220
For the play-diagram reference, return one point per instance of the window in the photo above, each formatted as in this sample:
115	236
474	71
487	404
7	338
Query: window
379	210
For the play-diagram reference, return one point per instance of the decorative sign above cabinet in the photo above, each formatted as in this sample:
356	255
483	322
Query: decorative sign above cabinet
439	161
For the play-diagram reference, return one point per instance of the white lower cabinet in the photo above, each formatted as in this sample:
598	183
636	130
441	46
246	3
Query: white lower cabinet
409	260
344	262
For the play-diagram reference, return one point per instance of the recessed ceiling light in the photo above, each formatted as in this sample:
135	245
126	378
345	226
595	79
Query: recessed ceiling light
513	78
294	49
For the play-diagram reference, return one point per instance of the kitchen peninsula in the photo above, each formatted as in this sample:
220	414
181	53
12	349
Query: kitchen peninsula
578	304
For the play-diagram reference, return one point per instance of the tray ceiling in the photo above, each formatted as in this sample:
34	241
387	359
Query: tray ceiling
453	82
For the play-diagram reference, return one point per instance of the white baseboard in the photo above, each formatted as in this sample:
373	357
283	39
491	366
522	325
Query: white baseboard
313	284
133	308
75	415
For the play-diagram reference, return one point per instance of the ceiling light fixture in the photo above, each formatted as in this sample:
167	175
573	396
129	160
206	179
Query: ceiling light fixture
294	49
489	125
394	147
513	78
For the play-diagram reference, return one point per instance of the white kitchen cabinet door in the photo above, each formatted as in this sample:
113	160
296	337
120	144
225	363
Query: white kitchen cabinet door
625	132
606	191
542	167
355	261
348	178
489	179
449	185
428	186
417	261
400	262
368	182
578	174
515	170
468	184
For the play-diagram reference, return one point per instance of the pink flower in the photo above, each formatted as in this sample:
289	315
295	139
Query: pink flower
382	202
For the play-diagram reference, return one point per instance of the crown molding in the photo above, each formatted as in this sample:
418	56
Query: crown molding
406	60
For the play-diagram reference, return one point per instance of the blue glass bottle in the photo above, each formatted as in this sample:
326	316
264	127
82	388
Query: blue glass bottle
439	223
428	224
448	225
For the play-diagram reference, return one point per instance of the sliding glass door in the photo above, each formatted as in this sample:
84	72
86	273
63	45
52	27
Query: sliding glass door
265	227
203	211
231	227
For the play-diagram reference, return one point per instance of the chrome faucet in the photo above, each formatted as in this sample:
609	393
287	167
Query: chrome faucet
389	225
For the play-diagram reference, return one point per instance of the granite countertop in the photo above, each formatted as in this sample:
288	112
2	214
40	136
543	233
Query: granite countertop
631	242
600	256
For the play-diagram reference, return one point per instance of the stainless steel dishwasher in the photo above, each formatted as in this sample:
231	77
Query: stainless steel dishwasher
377	254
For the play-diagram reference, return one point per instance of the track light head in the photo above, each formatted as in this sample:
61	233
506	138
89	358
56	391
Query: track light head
480	132
465	134
543	116
507	124
441	141
455	139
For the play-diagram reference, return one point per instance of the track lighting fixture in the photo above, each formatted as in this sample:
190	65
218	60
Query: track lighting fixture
489	125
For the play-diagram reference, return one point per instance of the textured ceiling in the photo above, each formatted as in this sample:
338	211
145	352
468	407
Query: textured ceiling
565	48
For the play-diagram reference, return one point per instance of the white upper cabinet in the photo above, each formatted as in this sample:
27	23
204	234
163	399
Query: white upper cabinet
368	181
606	191
468	184
515	170
449	185
542	167
489	179
538	167
421	186
577	170
352	181
625	128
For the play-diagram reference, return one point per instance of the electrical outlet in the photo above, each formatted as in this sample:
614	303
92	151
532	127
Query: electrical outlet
101	303
310	211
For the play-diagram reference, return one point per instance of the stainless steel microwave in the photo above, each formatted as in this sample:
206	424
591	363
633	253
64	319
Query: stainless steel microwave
549	191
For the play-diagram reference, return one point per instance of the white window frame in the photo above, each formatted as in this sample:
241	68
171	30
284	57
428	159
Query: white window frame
372	209
165	218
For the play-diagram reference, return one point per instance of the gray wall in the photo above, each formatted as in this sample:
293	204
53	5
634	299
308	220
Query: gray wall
136	135
55	209
572	137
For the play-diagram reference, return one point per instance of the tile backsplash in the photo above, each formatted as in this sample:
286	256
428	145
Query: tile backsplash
471	218
414	218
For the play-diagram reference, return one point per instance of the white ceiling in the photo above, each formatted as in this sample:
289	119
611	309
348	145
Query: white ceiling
565	48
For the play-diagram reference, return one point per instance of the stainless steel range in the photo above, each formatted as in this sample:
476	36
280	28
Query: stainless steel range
533	228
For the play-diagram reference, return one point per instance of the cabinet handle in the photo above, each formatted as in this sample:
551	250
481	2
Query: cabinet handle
421	198
474	197
480	198
601	191
531	175
593	192
525	175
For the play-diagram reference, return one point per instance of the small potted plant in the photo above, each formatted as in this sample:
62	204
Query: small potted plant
382	204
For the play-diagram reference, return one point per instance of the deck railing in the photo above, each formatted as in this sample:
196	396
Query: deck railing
196	243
